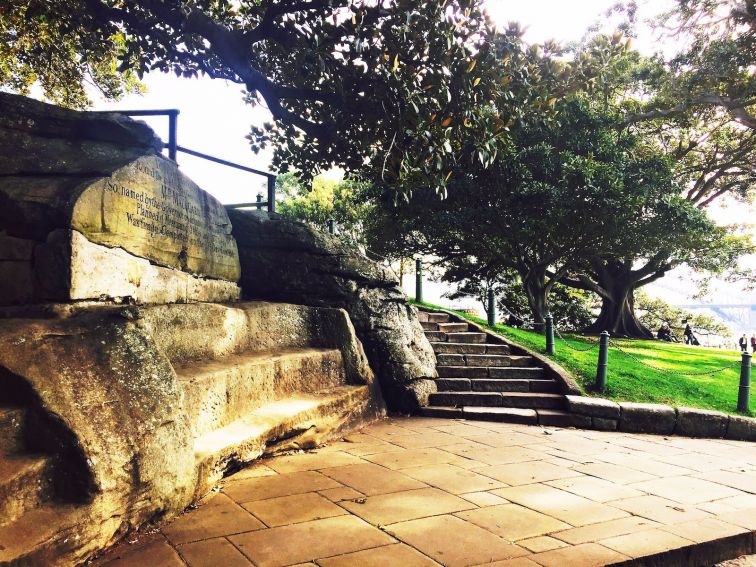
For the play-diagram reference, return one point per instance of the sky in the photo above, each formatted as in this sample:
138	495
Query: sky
214	118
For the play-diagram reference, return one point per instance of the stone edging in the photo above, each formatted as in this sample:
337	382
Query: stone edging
661	419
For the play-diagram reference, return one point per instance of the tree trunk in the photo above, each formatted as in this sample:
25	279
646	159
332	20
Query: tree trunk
617	313
536	292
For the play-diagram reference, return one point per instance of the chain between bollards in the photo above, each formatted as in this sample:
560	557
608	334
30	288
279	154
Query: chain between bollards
744	392
419	280
549	334
603	356
491	311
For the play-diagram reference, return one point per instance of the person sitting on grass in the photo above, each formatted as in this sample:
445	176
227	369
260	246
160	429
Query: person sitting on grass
664	333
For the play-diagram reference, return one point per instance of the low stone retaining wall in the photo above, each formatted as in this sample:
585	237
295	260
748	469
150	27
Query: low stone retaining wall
606	415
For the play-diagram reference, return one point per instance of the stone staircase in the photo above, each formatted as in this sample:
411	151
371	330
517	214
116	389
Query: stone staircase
482	377
30	509
248	379
265	377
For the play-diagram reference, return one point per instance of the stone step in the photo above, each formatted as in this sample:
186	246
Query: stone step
432	317
453	327
43	535
12	420
218	392
487	360
448	328
247	438
469	348
465	371
559	418
504	415
488	385
25	482
526	400
516	372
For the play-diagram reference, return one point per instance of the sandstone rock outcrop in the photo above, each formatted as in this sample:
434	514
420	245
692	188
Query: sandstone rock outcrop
288	261
89	209
141	410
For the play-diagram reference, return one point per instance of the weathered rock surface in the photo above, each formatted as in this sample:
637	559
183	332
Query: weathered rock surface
694	422
89	209
594	407
287	261
647	418
741	428
150	406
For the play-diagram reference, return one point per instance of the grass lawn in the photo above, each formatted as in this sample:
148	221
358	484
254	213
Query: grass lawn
630	381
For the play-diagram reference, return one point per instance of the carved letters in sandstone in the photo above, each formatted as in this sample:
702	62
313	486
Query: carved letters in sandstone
151	210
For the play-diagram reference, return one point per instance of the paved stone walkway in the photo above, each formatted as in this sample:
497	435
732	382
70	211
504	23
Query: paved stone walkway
418	492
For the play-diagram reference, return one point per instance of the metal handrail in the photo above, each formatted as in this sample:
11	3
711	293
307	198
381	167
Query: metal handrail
174	148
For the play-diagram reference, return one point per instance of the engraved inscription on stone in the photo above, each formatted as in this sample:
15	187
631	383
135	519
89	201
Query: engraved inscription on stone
151	210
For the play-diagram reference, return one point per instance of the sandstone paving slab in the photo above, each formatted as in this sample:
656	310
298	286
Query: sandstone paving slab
541	543
647	542
454	542
156	552
596	489
462	430
372	479
613	473
218	516
423	440
705	530
362	449
685	489
452	479
293	509
516	562
396	507
508	439
692	461
252	471
640	461
578	446
584	555
495	456
570	508
650	444
526	473
512	521
312	461
414	458
265	487
339	494
298	543
660	509
745	518
745	482
603	530
483	498
397	554
213	552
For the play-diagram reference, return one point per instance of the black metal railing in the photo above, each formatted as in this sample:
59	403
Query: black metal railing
173	148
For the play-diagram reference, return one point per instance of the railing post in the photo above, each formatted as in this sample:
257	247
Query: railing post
744	392
331	226
491	308
259	201
271	193
172	134
419	280
549	334
603	356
